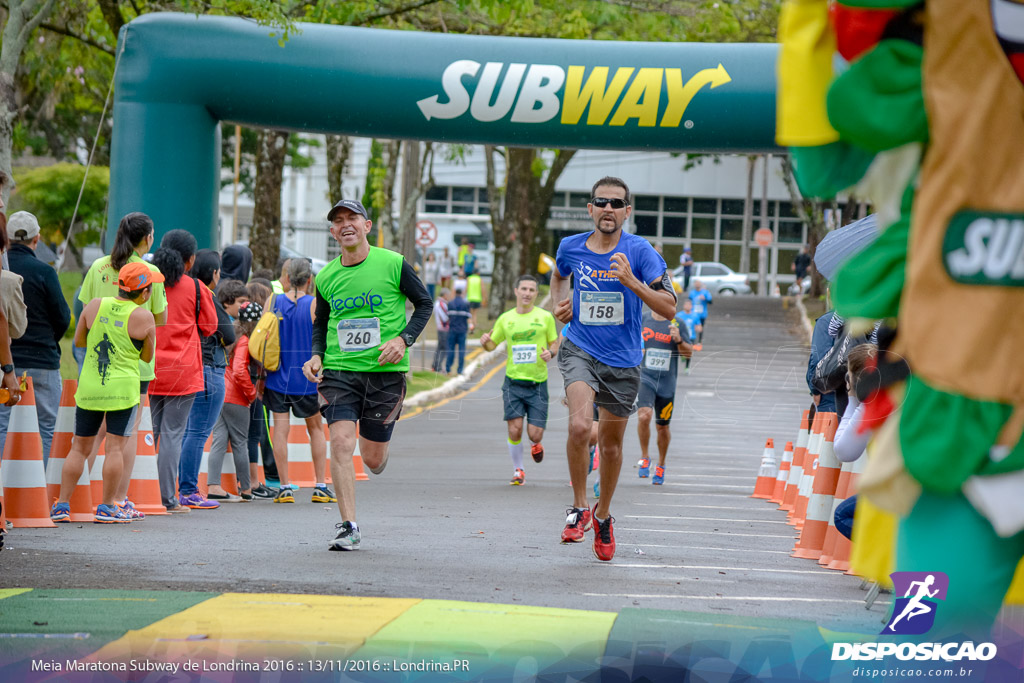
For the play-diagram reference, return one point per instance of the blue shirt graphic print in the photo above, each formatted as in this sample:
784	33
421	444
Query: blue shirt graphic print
617	345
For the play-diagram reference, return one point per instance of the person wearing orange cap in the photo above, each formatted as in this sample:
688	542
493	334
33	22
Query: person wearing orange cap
116	332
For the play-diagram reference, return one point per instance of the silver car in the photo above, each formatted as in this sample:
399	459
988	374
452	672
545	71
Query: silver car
717	278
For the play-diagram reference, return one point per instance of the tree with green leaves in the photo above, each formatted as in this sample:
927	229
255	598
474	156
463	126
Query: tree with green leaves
51	194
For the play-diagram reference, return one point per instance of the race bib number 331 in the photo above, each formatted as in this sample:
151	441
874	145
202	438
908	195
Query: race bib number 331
359	334
602	308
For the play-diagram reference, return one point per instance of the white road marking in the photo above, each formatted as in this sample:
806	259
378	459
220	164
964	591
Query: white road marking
753	598
719	532
707	519
735	569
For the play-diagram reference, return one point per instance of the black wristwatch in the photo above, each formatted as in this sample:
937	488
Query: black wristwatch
7	369
408	339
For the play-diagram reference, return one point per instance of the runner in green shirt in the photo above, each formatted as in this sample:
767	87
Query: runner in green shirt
360	352
532	341
117	332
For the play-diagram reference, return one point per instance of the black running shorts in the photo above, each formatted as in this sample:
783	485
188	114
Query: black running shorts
373	399
119	422
301	405
662	405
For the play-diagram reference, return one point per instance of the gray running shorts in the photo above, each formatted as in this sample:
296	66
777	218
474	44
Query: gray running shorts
615	389
526	399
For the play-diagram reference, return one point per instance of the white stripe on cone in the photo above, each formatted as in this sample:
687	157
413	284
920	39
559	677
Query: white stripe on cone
23	474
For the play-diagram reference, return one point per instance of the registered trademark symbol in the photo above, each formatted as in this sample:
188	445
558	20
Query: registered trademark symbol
688	124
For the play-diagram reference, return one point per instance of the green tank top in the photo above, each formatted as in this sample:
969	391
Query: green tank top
367	309
474	289
110	375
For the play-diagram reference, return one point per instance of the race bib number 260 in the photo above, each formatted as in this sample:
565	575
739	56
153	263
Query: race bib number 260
359	334
602	308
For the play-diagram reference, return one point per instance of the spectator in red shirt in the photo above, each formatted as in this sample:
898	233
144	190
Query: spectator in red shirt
179	360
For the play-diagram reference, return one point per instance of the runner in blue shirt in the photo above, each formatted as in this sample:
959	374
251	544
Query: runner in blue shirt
701	299
613	275
692	322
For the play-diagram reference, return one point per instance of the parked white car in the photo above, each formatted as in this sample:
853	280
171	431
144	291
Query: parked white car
717	278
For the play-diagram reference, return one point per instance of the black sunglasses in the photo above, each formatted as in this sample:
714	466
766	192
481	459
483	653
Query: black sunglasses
601	202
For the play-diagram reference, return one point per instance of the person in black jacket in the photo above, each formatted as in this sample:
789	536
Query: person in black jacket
38	350
206	407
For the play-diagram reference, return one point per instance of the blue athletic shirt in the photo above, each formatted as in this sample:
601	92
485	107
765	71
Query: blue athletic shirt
699	305
691	320
618	345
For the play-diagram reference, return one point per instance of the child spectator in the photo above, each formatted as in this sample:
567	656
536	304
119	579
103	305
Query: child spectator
233	423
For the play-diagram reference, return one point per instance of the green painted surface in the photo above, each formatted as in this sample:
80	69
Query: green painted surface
179	75
78	622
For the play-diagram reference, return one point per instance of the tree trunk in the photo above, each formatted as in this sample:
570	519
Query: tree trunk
339	149
502	237
814	216
265	236
384	194
414	186
748	216
23	17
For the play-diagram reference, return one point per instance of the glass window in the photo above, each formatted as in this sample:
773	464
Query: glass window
731	229
462	208
786	210
709	269
703	252
483	208
645	225
705	205
786	258
729	254
673	226
671	252
645	203
791	231
438	192
733	207
677	204
463	194
433	207
703	228
481	193
579	199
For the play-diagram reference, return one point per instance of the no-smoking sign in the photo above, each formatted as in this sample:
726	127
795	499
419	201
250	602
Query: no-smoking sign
426	233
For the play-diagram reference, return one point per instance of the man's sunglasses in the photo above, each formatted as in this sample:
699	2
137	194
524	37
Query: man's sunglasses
601	202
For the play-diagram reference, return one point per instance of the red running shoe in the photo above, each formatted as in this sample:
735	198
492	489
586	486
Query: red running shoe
577	522
537	451
604	539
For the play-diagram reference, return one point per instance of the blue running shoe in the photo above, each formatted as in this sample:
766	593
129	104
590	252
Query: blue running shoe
645	468
61	512
111	514
597	489
590	460
659	476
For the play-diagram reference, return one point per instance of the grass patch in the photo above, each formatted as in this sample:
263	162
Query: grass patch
815	308
424	380
69	282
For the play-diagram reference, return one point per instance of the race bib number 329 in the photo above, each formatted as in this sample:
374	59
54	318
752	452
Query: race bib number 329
602	308
359	334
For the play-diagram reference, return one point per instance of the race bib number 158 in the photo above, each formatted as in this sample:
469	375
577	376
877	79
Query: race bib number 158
602	308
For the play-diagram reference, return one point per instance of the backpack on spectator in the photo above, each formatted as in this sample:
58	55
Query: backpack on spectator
265	340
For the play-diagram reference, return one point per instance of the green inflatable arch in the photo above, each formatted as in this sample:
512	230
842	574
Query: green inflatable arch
179	75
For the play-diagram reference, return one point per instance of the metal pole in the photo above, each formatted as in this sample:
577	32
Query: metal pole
238	170
762	252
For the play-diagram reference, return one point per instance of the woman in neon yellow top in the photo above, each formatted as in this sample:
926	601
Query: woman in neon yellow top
117	332
134	238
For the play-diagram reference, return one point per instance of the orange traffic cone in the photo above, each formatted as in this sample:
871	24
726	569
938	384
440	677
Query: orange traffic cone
228	478
82	509
784	468
841	551
797	468
144	487
804	484
767	473
300	454
24	478
819	507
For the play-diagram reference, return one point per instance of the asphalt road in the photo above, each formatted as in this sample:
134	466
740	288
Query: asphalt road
443	522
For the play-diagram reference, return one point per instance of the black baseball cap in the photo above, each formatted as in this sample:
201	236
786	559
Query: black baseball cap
350	204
